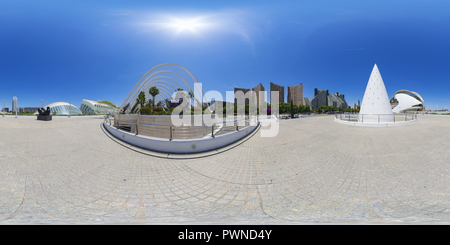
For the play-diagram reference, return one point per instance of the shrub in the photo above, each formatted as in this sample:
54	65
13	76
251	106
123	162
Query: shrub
158	109
146	111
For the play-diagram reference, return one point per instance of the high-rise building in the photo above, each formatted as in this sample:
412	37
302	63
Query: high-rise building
28	109
295	93
14	104
306	102
260	98
280	89
320	98
245	95
323	98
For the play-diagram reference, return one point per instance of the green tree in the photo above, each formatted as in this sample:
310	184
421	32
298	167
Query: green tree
153	91
149	103
191	95
124	109
141	98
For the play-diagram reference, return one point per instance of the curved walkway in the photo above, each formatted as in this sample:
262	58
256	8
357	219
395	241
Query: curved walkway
69	171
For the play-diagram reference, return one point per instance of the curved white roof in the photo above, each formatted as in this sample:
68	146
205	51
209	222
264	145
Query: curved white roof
56	104
94	107
407	100
418	97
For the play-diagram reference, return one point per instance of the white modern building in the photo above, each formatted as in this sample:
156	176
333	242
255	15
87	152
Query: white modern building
90	107
375	106
404	100
14	104
63	108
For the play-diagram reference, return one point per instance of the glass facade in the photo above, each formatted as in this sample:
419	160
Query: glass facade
64	109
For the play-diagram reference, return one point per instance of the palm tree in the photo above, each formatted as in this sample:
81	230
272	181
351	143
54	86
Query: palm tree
149	103
141	98
153	91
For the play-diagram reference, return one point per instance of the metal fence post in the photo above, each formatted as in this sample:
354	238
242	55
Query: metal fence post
136	129
212	131
170	133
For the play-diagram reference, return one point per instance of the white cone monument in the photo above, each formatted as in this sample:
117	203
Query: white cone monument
375	106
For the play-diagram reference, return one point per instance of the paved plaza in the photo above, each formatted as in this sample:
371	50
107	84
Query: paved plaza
71	171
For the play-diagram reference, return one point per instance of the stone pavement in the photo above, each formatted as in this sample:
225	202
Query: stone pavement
71	171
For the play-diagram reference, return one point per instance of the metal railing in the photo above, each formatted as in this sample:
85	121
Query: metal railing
376	118
171	132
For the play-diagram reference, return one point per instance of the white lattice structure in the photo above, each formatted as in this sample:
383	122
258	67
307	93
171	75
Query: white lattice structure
165	84
63	108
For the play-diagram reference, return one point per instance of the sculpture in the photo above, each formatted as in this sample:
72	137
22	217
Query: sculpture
44	115
43	112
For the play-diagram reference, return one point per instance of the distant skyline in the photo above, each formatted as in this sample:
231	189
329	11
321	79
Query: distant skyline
67	51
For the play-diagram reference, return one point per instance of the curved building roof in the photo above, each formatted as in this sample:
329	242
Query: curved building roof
404	100
63	108
90	107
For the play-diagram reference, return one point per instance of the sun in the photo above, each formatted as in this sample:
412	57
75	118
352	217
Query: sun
186	25
181	26
190	25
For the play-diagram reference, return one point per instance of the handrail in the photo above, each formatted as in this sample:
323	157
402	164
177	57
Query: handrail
167	125
360	117
182	134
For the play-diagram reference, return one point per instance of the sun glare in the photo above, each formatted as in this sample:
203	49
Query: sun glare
186	25
191	25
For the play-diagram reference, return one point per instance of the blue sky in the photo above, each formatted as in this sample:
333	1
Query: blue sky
98	50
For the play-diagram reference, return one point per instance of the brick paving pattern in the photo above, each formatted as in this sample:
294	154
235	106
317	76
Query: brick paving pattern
71	171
